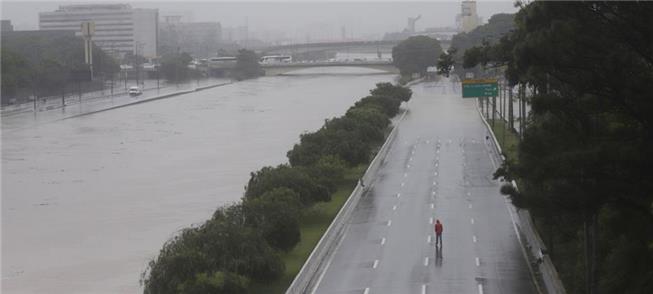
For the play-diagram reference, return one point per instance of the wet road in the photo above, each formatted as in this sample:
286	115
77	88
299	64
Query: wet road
438	168
86	202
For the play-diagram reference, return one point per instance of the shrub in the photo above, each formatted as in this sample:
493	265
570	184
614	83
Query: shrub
275	214
284	176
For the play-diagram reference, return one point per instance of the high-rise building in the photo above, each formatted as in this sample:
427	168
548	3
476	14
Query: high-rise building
200	39
469	20
119	28
7	26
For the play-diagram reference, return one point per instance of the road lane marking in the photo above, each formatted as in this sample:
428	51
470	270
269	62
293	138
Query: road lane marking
433	193
394	207
402	184
478	262
406	174
436	173
376	263
367	291
398	195
382	241
470	206
428	240
474	238
432	205
423	288
430	220
389	223
480	289
469	194
434	183
328	264
471	221
426	261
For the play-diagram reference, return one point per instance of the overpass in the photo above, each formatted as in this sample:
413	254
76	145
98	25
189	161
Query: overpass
384	66
350	46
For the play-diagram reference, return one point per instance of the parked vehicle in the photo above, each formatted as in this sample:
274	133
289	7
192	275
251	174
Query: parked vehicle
134	91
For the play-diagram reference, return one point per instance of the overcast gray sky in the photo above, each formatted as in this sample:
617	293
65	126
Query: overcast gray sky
295	18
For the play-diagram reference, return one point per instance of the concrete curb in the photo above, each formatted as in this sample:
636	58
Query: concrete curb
149	99
317	263
524	227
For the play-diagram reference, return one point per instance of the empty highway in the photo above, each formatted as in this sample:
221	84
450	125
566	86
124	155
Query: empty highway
439	167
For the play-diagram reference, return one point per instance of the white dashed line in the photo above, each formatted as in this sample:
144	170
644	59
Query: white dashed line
426	261
471	221
402	184
382	241
389	223
428	239
399	194
433	193
432	205
478	262
367	291
470	206
436	173
474	238
434	183
424	289
406	174
394	207
480	289
430	220
376	263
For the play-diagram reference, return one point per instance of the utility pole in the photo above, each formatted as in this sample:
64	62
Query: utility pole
88	29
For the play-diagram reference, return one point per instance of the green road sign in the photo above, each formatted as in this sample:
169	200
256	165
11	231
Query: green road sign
480	88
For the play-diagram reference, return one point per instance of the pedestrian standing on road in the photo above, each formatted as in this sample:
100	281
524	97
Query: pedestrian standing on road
438	232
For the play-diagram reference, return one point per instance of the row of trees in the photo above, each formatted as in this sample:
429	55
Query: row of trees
45	65
584	164
241	242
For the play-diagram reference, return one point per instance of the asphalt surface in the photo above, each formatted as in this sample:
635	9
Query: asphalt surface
439	167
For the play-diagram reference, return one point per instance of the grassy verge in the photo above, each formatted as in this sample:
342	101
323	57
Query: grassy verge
507	139
314	223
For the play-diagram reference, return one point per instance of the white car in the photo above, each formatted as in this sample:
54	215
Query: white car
134	91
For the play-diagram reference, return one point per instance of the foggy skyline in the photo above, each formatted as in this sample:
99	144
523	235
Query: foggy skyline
295	20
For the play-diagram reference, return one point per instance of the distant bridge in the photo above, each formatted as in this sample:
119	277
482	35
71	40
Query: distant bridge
385	66
350	46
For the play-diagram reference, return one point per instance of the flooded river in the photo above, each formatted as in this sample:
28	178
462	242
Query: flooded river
86	202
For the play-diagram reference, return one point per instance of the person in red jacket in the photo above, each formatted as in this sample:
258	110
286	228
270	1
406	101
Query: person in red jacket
438	233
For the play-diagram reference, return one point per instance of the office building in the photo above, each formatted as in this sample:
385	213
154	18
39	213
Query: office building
119	28
468	20
200	39
7	26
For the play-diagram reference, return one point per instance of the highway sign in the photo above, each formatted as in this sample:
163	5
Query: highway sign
480	88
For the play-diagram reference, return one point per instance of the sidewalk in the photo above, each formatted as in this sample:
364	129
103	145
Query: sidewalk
149	87
51	110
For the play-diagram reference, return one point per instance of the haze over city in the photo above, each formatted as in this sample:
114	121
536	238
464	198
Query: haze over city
326	147
294	20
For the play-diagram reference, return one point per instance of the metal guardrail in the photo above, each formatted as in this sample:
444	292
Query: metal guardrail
305	280
529	238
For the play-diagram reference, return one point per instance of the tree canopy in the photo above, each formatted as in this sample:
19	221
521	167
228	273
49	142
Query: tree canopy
584	161
416	54
247	65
